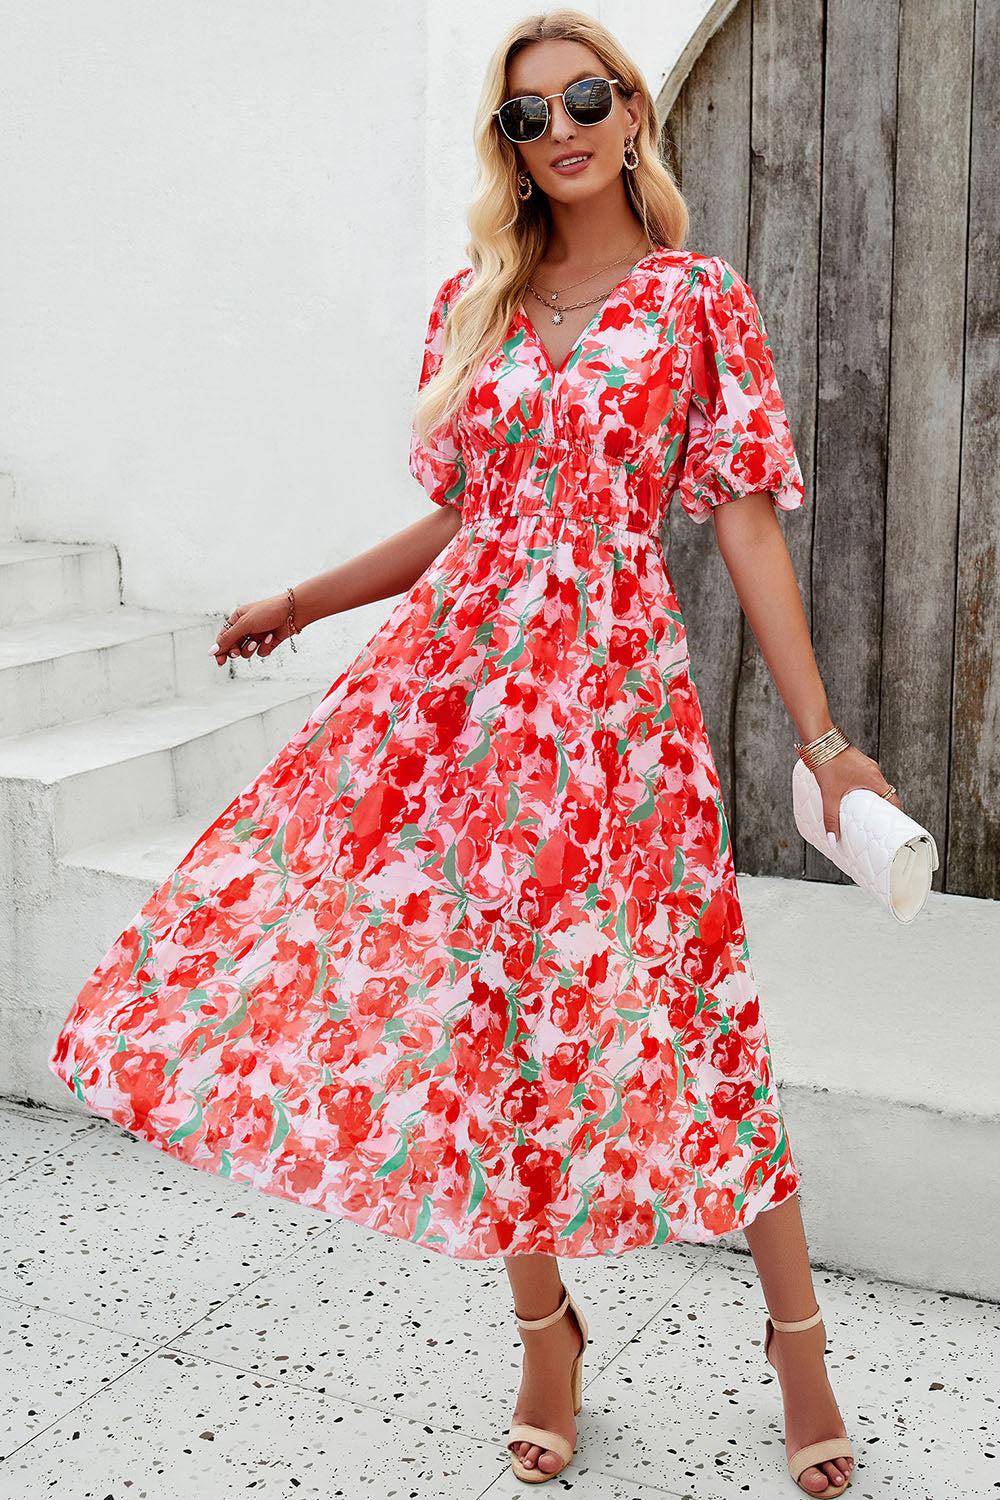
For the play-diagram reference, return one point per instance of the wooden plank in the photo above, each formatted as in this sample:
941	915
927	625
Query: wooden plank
925	406
712	121
782	270
855	291
973	844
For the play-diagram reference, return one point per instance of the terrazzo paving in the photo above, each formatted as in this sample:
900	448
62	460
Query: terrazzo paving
168	1334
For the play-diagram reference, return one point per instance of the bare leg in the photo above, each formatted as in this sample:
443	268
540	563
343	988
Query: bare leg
778	1245
544	1397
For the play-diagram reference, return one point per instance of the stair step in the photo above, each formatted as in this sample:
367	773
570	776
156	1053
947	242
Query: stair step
147	855
57	671
93	778
50	580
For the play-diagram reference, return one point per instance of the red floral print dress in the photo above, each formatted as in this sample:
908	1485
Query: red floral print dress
466	963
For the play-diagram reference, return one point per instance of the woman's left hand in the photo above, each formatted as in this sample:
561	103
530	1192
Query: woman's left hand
848	769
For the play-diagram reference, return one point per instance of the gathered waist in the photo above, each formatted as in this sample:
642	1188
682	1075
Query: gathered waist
565	483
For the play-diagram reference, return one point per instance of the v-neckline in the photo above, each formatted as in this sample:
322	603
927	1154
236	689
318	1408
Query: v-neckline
588	328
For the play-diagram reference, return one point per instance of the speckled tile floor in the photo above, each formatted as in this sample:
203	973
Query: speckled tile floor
168	1334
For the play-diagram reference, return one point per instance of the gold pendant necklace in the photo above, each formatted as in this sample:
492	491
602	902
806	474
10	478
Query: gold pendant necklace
557	315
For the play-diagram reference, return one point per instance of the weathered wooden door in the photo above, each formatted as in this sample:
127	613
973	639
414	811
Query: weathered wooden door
843	158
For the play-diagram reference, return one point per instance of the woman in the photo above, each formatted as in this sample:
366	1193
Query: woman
466	962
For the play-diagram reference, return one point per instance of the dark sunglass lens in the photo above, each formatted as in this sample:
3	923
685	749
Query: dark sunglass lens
524	119
589	101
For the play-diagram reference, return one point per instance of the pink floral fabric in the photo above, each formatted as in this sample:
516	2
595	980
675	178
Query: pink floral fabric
465	963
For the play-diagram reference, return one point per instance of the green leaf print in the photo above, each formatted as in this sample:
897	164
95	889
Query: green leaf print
513	1016
780	1148
613	1115
281	1119
513	805
465	955
579	1218
194	1120
147	941
662	1221
677	874
515	650
423	1217
441	1052
449	867
242	829
478	752
277	849
397	1159
235	1018
197	1000
390	729
723	823
321	968
321	730
478	1182
646	808
670	454
343	776
563	776
583	619
456	489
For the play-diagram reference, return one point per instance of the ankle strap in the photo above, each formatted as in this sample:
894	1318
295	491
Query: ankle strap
795	1327
549	1317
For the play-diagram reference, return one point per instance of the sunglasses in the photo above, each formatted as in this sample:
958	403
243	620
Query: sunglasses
526	118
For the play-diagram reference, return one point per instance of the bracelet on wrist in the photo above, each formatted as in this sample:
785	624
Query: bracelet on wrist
823	748
293	629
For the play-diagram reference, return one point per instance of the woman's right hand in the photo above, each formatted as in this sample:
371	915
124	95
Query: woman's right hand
265	622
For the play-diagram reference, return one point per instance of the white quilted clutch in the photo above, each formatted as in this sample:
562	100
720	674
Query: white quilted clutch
880	848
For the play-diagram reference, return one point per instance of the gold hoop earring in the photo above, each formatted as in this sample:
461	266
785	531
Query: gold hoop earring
630	162
525	186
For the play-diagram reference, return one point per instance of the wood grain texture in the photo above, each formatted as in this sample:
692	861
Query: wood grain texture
925	406
782	269
841	155
711	123
854	322
972	859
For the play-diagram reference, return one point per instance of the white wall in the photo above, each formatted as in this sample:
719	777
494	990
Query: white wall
224	223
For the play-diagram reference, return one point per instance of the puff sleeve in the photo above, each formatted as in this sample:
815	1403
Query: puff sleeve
439	464
737	439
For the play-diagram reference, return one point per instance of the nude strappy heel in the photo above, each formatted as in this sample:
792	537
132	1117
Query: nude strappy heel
525	1432
812	1453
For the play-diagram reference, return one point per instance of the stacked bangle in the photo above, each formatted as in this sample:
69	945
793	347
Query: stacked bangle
823	748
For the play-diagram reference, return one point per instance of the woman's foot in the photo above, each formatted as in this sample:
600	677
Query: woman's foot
545	1398
811	1410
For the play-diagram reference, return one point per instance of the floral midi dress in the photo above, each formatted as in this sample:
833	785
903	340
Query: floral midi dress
465	963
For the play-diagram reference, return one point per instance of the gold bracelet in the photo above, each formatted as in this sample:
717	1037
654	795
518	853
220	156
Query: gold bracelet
292	632
823	748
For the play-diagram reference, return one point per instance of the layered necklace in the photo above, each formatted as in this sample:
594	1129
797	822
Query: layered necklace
551	299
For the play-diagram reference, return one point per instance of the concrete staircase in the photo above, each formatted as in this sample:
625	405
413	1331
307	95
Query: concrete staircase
121	739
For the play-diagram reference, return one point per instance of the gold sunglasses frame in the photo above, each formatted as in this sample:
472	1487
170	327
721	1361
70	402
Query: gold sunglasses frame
586	125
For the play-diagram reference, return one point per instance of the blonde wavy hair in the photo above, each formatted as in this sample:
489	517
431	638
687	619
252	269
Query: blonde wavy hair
508	236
